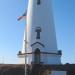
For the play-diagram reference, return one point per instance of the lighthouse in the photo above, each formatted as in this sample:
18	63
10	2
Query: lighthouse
40	43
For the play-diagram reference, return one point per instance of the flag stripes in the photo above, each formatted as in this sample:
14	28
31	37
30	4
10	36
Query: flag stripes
24	15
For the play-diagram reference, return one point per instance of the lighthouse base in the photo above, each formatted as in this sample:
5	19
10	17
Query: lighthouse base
42	57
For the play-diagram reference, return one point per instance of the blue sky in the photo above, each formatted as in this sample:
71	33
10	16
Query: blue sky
11	30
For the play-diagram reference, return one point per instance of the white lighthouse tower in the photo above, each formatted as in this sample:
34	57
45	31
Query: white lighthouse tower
41	44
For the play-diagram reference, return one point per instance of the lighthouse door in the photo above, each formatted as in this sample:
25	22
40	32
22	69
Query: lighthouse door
37	56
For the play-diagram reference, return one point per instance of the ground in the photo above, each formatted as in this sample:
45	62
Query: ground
37	69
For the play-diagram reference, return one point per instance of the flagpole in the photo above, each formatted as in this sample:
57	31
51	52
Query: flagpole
25	41
25	51
24	15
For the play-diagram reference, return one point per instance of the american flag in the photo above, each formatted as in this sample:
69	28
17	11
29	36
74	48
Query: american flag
24	15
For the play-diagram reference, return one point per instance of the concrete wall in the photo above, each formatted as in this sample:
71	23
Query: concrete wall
59	73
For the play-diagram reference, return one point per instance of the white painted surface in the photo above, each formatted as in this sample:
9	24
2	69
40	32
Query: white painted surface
59	73
21	60
41	16
23	47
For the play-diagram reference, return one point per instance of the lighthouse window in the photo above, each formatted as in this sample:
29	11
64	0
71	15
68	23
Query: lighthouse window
38	30
38	2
